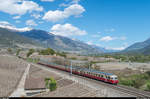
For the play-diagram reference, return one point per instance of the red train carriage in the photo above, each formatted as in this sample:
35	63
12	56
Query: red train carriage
102	76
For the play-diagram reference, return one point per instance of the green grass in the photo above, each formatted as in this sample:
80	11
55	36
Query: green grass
32	60
140	81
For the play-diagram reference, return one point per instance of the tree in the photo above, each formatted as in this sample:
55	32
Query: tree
148	72
47	51
9	50
31	51
61	54
18	51
51	83
148	87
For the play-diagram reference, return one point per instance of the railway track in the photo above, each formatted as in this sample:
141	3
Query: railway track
125	89
128	90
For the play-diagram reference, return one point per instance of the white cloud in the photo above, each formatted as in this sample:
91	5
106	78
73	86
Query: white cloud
66	30
16	17
109	30
36	15
48	0
19	7
117	48
17	21
89	43
54	16
70	3
4	24
122	38
124	46
31	23
72	10
96	36
75	1
40	22
98	45
107	38
63	5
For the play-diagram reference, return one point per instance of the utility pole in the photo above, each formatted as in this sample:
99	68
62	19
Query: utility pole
71	68
89	65
47	44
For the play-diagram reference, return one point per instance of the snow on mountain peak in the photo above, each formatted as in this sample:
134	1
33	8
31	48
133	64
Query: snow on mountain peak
4	24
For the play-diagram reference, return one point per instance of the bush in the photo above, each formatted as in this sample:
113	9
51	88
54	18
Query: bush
18	51
73	58
148	87
136	80
9	50
31	51
51	83
138	83
47	51
127	82
33	60
61	54
148	72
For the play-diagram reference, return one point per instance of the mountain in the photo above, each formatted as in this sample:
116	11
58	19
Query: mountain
138	46
11	39
104	50
145	50
60	43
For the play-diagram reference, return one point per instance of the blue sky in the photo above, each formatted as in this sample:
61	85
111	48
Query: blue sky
113	24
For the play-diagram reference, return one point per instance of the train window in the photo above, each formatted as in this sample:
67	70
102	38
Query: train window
108	77
97	75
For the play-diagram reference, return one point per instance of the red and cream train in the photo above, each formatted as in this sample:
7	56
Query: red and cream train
102	76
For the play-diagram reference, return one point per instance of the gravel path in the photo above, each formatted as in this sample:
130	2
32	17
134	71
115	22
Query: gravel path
19	92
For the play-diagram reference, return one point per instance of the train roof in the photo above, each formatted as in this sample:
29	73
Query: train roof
91	70
95	71
85	69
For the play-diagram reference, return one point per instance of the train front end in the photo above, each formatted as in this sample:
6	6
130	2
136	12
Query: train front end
114	79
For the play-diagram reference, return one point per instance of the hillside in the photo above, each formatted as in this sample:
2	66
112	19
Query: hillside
138	45
11	39
138	48
145	50
60	43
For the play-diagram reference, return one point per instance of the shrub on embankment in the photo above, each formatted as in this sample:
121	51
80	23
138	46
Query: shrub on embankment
140	81
51	83
36	60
